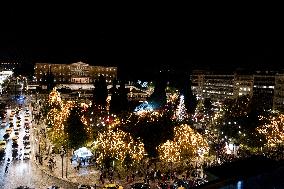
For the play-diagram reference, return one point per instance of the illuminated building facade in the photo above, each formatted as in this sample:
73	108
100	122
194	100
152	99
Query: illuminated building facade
243	85
79	72
8	66
266	89
263	90
213	86
278	101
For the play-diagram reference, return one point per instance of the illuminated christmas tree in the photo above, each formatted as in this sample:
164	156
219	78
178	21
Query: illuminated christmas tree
181	110
54	99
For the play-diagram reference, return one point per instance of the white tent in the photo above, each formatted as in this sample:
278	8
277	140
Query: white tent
83	152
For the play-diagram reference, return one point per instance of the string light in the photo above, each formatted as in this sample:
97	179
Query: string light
186	144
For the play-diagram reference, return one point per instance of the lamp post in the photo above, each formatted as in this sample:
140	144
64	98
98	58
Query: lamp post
62	155
66	161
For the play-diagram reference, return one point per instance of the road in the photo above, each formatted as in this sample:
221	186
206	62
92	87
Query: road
23	172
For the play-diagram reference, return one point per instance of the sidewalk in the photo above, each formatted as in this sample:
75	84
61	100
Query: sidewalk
85	175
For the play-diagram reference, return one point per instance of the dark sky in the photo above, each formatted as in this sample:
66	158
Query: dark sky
137	41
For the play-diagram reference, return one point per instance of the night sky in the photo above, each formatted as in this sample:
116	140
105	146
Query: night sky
138	42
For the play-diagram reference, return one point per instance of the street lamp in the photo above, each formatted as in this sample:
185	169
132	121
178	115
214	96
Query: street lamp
62	155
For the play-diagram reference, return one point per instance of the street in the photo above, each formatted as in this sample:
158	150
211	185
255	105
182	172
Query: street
17	171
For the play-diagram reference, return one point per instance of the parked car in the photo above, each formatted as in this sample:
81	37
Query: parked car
9	130
2	145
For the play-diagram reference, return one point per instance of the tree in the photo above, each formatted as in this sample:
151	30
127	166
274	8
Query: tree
159	97
273	131
100	93
77	135
117	145
153	128
181	110
186	145
115	101
123	96
189	98
207	105
48	80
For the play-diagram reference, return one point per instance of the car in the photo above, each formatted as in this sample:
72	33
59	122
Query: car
15	138
26	137
27	146
2	145
27	134
3	124
17	133
26	156
28	151
11	124
181	183
2	154
24	187
54	187
162	185
27	131
17	129
84	186
18	121
15	145
14	152
19	118
26	142
112	186
6	136
140	185
9	130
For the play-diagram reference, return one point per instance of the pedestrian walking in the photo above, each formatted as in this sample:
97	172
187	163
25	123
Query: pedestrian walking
133	177
6	169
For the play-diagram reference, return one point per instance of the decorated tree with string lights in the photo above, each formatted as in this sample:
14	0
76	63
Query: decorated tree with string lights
53	106
68	123
118	147
186	145
58	134
273	131
181	114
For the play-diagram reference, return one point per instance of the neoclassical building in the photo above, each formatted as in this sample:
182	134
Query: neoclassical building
78	72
